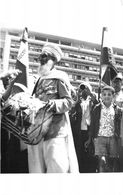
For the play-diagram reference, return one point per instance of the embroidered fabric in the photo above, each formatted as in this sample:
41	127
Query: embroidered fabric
107	121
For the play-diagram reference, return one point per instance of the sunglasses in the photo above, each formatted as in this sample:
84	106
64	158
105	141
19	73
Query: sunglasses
82	87
44	57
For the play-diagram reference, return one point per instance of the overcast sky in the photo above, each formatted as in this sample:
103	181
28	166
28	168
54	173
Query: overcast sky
78	19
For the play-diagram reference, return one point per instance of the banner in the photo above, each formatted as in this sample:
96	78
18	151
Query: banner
109	71
22	64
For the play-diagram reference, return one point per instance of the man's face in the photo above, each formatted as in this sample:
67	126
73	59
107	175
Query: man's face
46	64
107	97
6	82
82	93
117	83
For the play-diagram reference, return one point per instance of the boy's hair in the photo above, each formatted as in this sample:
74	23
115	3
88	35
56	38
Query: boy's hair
108	88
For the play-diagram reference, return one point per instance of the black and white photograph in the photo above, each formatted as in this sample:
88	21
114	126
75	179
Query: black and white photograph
61	95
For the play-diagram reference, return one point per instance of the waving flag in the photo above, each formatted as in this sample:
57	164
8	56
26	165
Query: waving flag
22	64
109	70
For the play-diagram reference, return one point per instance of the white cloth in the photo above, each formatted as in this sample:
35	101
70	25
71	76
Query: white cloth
2	90
85	105
52	158
55	155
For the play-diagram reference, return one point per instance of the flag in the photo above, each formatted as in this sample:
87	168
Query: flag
109	70
22	64
105	29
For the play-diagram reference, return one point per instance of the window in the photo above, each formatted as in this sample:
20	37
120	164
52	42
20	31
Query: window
13	34
13	56
70	76
65	43
1	53
12	66
15	44
75	66
83	57
98	59
40	38
53	41
73	55
78	77
66	64
66	54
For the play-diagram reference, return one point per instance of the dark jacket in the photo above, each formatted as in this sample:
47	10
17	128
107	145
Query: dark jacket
95	120
76	114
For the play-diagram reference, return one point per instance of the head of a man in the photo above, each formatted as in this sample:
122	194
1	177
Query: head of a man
6	82
107	95
84	90
8	76
117	82
51	54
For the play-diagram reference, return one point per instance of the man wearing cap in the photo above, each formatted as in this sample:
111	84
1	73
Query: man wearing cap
118	99
55	153
117	84
80	126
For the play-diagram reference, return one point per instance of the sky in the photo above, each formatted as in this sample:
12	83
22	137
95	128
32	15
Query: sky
78	19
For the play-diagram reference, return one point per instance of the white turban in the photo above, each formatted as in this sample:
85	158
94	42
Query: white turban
54	50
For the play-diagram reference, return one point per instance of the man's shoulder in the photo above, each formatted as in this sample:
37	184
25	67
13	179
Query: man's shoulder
61	74
97	107
119	98
117	107
62	77
119	94
57	74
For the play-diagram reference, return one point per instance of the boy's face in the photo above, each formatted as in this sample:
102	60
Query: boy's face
107	97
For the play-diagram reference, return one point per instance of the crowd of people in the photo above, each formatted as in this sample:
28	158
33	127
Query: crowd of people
85	134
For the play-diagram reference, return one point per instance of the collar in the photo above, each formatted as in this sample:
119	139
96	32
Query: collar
105	107
58	74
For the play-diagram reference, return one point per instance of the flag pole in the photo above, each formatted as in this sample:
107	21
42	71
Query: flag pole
100	70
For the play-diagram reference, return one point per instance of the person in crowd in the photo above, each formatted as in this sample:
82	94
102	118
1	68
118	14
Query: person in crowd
14	159
117	84
105	130
7	79
118	99
72	116
80	116
122	88
55	153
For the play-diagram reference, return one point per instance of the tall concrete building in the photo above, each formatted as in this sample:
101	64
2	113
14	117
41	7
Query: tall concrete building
81	59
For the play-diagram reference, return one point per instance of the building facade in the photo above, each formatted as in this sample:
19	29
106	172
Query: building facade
81	59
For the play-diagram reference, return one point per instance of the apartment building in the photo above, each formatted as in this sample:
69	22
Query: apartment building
81	59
